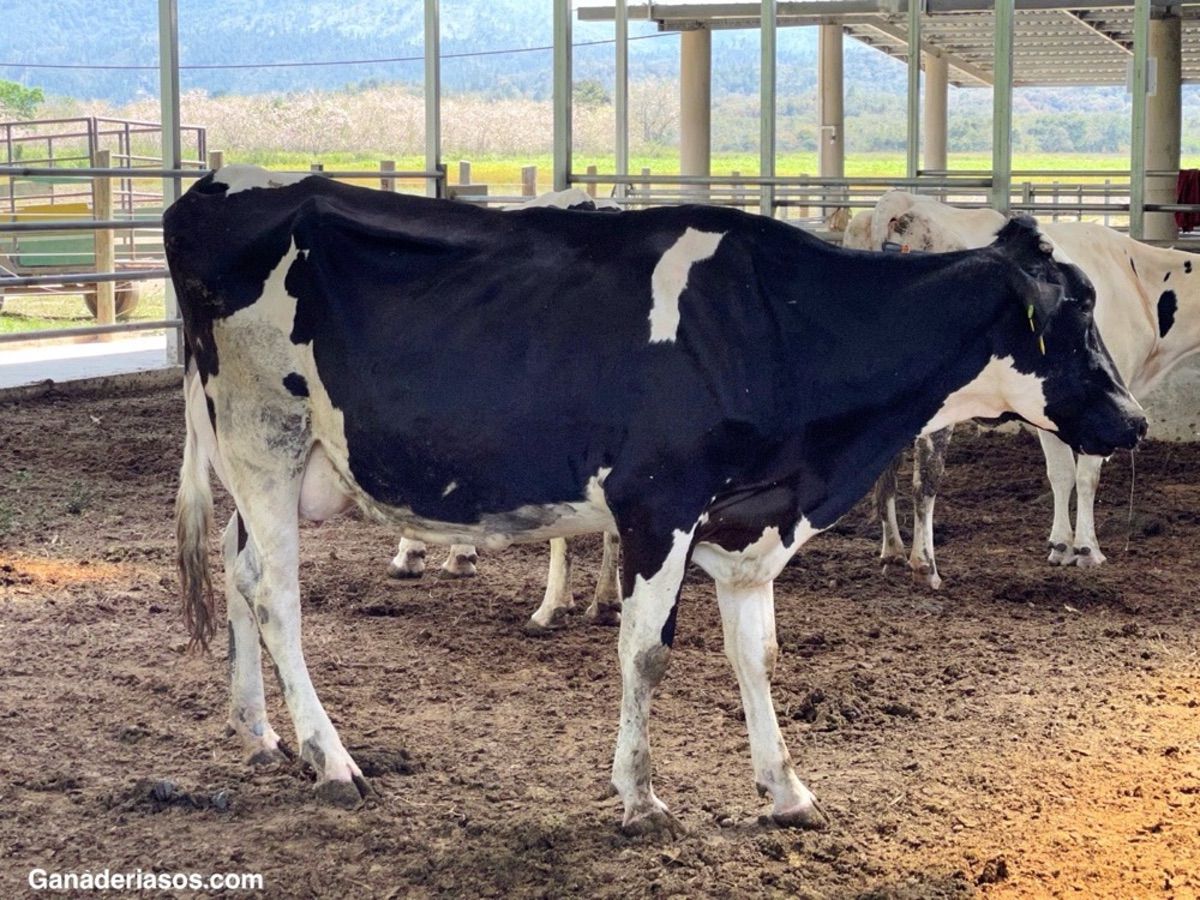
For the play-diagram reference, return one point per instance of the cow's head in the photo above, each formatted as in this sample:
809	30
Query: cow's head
1062	377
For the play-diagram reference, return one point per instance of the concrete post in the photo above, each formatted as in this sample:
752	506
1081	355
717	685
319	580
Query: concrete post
1163	125
695	102
937	86
831	143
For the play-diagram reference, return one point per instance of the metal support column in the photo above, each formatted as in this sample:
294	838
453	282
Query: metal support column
766	135
1163	117
172	144
695	102
1002	96
937	88
621	92
913	140
562	94
1137	131
831	149
433	95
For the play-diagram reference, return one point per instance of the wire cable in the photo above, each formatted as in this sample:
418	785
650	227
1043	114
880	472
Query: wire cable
319	63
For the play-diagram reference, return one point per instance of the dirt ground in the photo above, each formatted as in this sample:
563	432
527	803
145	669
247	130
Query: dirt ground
1024	732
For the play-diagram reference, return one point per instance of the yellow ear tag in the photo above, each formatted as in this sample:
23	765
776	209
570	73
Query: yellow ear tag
1033	328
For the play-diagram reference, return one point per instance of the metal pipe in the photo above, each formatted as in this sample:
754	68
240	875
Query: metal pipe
433	96
562	94
124	172
88	225
770	180
766	139
913	144
1002	96
621	92
1137	132
83	278
85	330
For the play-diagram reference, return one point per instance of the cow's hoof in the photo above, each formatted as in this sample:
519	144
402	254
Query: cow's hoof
269	757
343	794
395	571
604	614
1060	555
653	821
1089	557
454	574
924	576
538	629
810	818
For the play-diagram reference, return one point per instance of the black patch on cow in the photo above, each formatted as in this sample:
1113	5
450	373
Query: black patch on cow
296	384
1167	305
241	533
263	616
1187	267
212	412
1133	265
1167	277
668	629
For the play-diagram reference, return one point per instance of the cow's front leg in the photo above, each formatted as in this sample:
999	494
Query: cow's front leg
1087	480
247	703
1060	469
652	582
558	598
606	601
891	551
460	562
409	561
929	464
748	618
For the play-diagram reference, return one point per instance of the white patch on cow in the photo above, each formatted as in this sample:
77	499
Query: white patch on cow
670	279
450	489
567	199
239	177
997	389
759	562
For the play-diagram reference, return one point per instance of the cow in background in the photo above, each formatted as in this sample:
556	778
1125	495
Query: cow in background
1147	311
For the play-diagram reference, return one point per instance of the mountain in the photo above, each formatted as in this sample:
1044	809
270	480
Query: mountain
247	32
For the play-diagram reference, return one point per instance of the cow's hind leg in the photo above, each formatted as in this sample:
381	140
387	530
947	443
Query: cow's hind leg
929	465
268	501
409	561
647	632
748	618
891	551
247	704
460	562
606	601
558	599
1060	469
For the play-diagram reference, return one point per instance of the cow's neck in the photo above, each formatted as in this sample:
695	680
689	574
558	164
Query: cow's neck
868	423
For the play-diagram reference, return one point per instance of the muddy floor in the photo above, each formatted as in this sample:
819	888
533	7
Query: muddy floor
1024	732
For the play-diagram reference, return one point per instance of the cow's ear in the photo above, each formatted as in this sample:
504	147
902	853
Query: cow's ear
1042	302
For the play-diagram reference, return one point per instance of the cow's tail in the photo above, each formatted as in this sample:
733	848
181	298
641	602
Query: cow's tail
193	519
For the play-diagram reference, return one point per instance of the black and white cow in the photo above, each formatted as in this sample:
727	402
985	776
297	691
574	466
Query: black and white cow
1147	310
708	384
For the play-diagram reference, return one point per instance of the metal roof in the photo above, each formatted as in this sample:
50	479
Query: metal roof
1055	42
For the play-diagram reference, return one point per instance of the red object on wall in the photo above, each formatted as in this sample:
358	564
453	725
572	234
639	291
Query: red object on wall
1187	190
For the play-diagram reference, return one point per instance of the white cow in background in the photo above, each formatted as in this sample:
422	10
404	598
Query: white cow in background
1148	313
409	561
558	601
